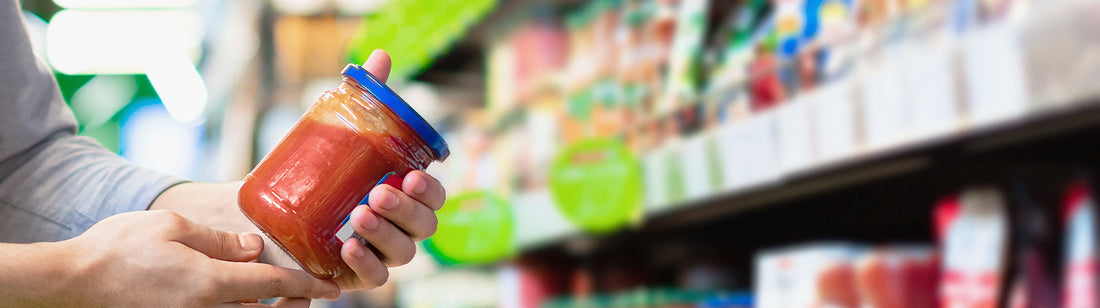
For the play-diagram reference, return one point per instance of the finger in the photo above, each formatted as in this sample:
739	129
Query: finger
238	305
368	268
410	215
396	246
425	188
378	64
292	302
214	243
239	281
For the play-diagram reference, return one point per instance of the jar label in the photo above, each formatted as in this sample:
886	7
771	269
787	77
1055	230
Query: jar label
346	231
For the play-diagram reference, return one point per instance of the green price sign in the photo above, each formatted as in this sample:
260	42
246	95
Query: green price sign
597	185
474	227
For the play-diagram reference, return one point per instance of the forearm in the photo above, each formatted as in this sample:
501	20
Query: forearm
32	274
63	187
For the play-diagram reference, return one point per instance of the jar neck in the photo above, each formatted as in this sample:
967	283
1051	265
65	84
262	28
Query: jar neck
371	108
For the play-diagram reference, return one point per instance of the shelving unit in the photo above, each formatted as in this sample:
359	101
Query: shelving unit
880	199
1059	142
878	196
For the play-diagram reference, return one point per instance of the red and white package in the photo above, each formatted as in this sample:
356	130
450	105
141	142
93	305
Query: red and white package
812	275
898	277
975	245
1079	287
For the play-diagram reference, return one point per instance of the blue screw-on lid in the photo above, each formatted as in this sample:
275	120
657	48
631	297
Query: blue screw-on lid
385	95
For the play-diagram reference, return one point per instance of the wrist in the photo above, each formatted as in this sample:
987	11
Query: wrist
38	274
70	273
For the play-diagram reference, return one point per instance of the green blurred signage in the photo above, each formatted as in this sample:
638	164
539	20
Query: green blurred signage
415	31
474	227
597	185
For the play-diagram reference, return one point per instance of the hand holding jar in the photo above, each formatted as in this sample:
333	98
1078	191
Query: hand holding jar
310	194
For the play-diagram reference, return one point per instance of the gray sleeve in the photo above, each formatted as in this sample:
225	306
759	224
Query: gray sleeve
53	184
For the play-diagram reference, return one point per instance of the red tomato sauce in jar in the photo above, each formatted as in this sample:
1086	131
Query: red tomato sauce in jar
352	136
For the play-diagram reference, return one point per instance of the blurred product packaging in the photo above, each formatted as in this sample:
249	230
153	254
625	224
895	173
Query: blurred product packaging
898	277
847	275
811	275
1080	273
975	248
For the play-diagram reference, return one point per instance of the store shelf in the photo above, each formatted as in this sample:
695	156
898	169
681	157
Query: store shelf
1012	107
973	138
963	158
918	155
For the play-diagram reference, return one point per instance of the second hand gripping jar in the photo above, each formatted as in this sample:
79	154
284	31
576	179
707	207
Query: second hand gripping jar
348	141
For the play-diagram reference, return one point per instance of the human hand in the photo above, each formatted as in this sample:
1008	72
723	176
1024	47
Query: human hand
395	218
411	219
215	205
160	259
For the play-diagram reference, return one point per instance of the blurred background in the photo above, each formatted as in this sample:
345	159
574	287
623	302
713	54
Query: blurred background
654	153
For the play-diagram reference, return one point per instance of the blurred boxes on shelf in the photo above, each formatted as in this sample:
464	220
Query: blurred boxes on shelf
768	94
834	274
806	276
748	152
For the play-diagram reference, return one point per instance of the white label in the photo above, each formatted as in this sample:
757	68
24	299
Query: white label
795	144
761	154
884	119
694	157
731	138
994	74
346	231
834	121
748	151
930	88
653	169
673	173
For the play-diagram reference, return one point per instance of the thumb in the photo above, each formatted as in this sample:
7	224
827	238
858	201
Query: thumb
223	245
378	64
291	302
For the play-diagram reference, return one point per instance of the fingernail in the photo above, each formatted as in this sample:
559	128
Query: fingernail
250	241
418	185
388	201
334	295
369	220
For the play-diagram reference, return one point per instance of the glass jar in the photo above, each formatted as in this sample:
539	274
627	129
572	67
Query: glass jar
303	191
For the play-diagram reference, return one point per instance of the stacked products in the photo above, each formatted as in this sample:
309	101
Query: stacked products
988	251
847	275
740	94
